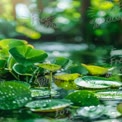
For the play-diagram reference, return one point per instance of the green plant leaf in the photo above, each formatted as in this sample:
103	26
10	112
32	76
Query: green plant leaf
50	67
2	63
109	95
83	98
42	92
49	105
27	55
10	43
13	95
95	70
92	82
23	70
66	81
63	62
67	77
77	69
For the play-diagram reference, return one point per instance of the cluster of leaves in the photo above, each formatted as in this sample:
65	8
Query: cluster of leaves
21	65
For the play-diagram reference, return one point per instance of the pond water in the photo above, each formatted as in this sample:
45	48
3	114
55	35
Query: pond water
101	113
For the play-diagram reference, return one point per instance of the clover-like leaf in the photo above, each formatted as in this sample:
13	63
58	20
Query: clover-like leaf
50	67
83	98
27	55
23	70
49	105
13	95
95	70
92	82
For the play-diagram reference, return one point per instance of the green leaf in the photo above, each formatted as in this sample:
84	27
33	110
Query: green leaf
67	77
95	70
77	69
23	70
42	93
13	95
2	63
66	81
50	67
27	55
109	95
63	62
83	98
49	105
92	82
10	43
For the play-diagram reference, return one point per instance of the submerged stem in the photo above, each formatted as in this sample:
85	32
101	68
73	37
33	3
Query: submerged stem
50	83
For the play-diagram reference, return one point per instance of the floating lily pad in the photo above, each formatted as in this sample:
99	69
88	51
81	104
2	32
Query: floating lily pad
67	77
2	63
42	93
83	98
13	95
109	95
95	70
92	82
27	55
49	105
66	81
50	67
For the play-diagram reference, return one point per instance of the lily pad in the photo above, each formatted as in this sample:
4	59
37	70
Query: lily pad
109	95
50	67
83	98
95	70
66	81
27	55
92	82
13	95
42	93
67	77
2	63
49	105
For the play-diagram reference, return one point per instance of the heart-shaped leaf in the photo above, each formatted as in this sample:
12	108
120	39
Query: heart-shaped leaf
95	70
92	82
27	55
13	95
83	98
50	67
23	70
49	105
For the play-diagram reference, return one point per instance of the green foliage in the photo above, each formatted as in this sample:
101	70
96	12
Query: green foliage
27	55
49	105
93	82
14	94
83	98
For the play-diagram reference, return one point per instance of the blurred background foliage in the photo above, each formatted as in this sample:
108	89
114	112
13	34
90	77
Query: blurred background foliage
95	23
